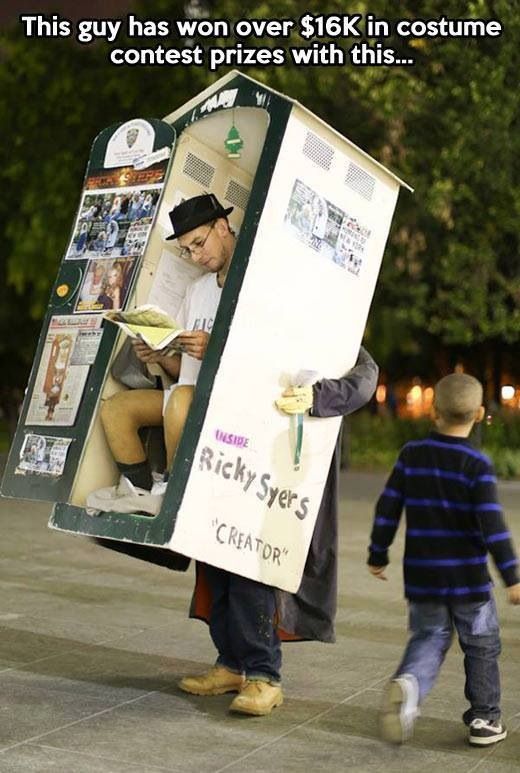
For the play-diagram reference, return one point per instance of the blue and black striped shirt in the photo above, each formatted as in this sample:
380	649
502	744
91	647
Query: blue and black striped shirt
453	519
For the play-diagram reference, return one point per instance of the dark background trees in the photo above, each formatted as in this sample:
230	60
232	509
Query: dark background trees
450	283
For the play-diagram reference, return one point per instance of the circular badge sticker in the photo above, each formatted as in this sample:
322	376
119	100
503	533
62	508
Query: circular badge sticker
62	290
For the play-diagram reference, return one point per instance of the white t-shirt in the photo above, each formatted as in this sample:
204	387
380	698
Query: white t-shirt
197	312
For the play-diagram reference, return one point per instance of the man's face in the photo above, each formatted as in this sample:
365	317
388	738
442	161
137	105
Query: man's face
205	245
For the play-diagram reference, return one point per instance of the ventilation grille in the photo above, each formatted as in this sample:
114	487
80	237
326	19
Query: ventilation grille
199	170
236	194
318	151
360	181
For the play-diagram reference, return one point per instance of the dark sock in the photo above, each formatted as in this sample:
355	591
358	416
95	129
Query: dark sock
139	474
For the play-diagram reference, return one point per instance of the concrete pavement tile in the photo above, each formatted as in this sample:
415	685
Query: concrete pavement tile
447	702
379	635
84	633
103	588
192	733
35	641
31	705
104	670
314	748
508	751
28	646
30	758
60	598
34	705
435	734
491	765
303	681
6	665
17	601
189	641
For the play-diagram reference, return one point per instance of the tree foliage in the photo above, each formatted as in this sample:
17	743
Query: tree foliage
449	126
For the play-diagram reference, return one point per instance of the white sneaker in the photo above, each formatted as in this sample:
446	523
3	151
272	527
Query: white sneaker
400	709
159	488
483	732
123	498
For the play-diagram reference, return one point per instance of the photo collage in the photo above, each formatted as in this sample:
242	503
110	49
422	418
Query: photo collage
110	234
326	228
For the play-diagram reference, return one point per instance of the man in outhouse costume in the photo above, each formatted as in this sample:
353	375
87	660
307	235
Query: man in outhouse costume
247	619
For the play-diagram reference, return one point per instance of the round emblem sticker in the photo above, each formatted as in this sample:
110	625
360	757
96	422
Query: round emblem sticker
62	291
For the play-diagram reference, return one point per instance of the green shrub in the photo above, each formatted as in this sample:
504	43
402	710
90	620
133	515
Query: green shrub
372	442
505	460
503	431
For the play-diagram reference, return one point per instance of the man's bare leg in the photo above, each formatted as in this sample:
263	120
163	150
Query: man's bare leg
122	415
175	415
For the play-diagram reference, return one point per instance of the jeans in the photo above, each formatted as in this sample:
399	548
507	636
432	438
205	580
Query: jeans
242	625
431	627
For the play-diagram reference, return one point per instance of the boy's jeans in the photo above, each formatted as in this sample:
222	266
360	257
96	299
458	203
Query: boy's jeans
242	625
431	626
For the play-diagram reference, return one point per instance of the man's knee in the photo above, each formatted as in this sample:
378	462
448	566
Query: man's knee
123	410
111	410
179	403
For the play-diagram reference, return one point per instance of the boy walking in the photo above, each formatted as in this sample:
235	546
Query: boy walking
453	519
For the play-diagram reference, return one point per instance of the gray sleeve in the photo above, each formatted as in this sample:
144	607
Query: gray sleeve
341	396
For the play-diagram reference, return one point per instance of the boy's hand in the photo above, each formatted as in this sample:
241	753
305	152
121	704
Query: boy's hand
379	572
513	594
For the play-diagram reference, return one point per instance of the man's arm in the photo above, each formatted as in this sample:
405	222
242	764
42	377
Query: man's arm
341	396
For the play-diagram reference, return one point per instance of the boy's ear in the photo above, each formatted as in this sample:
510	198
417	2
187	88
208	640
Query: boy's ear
480	414
434	415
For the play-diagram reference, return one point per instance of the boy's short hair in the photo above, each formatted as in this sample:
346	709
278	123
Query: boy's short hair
458	397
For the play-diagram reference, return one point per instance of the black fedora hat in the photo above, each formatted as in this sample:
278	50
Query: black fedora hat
196	211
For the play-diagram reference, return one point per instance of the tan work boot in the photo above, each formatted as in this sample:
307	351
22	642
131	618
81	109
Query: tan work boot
257	698
217	681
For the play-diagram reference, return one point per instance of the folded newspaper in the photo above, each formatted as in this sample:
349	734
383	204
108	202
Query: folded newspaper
149	324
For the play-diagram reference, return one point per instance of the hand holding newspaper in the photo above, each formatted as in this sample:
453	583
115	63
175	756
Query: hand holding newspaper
149	324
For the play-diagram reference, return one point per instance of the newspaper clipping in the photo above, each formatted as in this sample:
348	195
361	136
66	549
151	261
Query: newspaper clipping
43	455
113	223
325	228
70	348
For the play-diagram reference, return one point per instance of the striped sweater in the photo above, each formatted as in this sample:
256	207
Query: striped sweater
453	518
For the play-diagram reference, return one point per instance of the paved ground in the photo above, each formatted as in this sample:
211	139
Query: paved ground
93	644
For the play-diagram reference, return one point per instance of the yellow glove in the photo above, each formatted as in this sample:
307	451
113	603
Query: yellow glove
295	400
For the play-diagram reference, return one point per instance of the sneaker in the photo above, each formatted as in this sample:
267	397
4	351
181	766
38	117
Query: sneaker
159	488
400	709
124	498
217	681
483	732
257	698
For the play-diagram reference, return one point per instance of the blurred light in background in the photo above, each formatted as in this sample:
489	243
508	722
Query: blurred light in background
510	396
381	393
507	392
419	400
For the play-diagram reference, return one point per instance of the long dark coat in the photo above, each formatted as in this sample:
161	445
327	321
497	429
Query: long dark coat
310	612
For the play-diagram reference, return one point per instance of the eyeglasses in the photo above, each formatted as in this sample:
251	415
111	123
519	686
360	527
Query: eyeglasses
196	246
